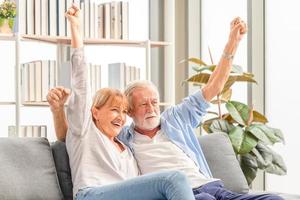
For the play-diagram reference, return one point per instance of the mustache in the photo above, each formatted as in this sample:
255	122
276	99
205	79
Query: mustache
148	115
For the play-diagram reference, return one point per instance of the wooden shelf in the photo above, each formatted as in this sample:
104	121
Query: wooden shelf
39	104
94	41
7	103
7	36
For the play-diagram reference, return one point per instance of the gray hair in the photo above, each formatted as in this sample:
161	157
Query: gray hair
132	86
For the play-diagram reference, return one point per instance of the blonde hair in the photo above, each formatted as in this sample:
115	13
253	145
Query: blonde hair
111	96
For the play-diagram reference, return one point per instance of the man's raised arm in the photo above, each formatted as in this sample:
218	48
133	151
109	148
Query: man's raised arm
220	75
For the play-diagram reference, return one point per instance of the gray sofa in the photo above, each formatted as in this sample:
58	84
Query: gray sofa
32	169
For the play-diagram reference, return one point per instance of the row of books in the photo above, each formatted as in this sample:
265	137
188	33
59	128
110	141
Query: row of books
37	78
47	17
28	131
120	74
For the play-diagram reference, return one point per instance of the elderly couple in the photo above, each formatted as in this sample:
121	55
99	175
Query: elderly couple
158	156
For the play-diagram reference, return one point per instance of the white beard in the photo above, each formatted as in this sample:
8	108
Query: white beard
151	124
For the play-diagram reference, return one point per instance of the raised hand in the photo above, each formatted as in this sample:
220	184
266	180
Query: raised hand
57	98
238	29
72	15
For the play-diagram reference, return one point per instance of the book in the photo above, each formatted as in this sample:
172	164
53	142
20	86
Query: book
38	80
37	17
116	75
106	25
124	20
21	17
44	17
30	17
100	21
25	82
31	81
52	19
45	79
114	20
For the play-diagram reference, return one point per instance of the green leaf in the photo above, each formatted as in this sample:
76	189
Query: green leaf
278	166
238	111
279	134
237	69
226	95
197	61
258	117
242	141
219	125
229	83
259	133
263	155
207	124
245	78
270	133
249	167
200	69
228	118
275	163
199	78
248	74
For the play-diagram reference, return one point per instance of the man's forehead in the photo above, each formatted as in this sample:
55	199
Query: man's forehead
145	93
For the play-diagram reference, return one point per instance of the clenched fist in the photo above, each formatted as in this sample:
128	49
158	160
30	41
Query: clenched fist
57	98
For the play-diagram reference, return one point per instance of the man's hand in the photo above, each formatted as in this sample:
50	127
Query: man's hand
220	75
238	29
57	98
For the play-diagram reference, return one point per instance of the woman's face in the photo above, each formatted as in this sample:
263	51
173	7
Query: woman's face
110	118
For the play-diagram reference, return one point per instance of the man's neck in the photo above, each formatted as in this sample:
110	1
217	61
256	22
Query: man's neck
149	133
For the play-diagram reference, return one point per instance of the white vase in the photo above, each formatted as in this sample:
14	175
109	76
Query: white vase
6	25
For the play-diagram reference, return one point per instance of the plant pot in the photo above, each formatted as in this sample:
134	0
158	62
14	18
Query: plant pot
6	25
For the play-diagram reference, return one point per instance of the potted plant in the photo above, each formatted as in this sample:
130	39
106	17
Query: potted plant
250	136
8	12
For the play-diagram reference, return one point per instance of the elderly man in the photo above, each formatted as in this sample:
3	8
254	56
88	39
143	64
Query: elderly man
167	141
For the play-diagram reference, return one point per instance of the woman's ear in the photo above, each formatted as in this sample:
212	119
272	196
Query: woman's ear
94	113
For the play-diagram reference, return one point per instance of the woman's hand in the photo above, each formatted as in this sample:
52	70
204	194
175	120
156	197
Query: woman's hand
72	15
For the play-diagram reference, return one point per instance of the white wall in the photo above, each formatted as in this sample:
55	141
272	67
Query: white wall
282	87
216	18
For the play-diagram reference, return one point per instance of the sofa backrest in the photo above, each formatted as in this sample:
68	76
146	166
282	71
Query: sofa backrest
222	161
62	165
27	170
217	149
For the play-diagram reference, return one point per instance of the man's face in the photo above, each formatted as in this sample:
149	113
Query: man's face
145	109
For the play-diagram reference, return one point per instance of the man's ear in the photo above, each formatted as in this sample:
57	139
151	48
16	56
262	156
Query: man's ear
129	113
94	111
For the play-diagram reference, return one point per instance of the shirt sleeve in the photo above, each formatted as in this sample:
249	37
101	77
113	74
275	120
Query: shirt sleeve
189	111
80	101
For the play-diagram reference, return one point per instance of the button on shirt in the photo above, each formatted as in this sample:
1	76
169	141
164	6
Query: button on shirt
159	154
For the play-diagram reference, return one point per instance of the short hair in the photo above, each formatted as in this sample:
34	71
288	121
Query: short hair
132	86
109	95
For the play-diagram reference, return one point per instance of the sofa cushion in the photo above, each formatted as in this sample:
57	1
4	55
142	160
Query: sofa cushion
61	159
27	170
222	161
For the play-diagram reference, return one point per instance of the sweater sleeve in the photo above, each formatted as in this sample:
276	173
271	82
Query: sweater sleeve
80	101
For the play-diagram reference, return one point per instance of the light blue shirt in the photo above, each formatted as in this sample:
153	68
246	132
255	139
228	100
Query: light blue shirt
178	123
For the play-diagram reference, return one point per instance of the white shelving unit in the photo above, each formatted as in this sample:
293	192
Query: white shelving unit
60	42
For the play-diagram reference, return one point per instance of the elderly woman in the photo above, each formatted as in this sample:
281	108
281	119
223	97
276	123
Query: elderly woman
102	166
